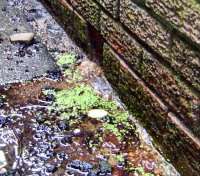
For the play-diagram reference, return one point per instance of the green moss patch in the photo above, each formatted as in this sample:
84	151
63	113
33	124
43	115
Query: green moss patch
79	100
66	59
82	98
67	64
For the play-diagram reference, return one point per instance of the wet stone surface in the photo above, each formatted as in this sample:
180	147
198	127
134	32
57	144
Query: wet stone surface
45	144
39	140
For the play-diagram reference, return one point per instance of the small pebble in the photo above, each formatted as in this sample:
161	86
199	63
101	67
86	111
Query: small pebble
22	37
97	113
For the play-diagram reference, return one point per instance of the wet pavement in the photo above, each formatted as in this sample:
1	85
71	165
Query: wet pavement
44	131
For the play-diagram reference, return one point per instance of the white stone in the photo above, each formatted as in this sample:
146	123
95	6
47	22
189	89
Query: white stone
22	37
97	113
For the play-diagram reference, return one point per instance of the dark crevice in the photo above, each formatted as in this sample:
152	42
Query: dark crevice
96	44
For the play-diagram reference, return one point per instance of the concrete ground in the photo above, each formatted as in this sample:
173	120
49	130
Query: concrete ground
20	61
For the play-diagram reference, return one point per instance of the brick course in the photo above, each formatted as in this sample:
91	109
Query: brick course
178	54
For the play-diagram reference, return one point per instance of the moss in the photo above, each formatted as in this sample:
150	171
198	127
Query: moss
66	59
67	63
113	129
73	75
120	118
82	98
140	171
76	99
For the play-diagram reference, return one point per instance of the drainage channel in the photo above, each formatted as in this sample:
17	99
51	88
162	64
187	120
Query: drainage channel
66	120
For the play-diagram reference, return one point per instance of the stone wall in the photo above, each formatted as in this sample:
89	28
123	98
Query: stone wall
150	52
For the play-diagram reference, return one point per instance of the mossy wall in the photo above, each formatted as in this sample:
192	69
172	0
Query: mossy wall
140	101
159	43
